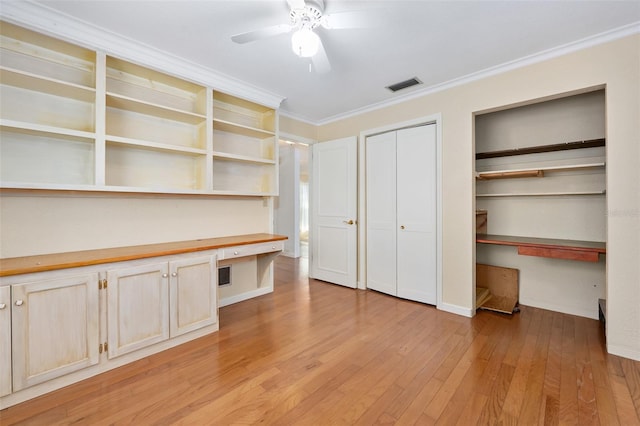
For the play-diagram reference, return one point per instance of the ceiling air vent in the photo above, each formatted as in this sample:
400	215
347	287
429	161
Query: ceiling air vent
404	84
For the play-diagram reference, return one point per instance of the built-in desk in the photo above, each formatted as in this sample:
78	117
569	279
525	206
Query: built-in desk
51	262
588	251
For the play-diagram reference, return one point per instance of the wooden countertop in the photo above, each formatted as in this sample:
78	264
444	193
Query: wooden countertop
50	262
588	251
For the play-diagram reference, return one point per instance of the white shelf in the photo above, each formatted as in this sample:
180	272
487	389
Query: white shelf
30	128
153	145
544	194
528	172
129	104
252	132
37	83
223	156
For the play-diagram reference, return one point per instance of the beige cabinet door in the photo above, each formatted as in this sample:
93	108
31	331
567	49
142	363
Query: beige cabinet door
137	307
193	294
55	328
5	340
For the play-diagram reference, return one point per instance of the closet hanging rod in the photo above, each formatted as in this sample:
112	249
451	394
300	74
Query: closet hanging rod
592	143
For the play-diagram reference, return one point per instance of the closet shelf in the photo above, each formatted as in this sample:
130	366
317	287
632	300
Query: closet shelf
592	143
535	171
588	251
230	127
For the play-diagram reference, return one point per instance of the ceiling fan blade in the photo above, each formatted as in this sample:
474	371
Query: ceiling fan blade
321	61
261	33
296	4
347	20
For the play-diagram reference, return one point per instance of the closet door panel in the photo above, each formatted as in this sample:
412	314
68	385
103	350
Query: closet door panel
416	213
381	212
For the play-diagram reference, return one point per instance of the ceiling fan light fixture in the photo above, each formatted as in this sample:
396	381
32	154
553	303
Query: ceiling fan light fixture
305	43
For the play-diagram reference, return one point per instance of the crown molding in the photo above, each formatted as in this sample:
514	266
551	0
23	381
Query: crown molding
51	22
605	37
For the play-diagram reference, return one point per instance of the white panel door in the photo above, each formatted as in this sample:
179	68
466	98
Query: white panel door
416	209
138	307
381	212
55	328
193	293
334	212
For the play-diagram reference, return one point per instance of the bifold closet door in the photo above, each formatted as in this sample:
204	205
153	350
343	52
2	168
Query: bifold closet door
416	213
381	212
401	213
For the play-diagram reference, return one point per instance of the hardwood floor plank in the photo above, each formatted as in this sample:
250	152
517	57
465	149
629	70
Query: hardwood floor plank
321	354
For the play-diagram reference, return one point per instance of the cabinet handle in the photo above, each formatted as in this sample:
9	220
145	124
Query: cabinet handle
401	226
3	305
19	302
273	247
348	222
174	274
165	275
235	253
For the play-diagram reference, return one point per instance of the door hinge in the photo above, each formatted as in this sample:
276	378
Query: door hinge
103	347
102	284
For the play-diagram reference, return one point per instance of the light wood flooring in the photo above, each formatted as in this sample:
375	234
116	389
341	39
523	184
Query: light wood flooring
314	353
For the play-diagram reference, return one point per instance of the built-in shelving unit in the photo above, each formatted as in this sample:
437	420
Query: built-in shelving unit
47	110
75	119
244	146
546	198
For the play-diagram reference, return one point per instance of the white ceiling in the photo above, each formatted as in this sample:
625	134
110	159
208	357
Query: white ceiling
439	42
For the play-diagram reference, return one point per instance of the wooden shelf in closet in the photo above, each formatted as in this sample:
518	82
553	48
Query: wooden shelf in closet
588	251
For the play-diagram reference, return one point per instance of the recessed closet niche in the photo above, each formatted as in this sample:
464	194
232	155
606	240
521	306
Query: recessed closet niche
541	173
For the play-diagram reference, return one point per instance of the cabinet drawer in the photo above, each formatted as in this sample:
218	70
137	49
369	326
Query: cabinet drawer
250	249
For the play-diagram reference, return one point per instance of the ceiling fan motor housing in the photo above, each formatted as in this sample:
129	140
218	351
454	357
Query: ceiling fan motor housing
308	17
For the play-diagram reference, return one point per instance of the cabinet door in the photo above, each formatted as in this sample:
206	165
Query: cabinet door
381	212
416	210
193	291
5	341
55	328
137	306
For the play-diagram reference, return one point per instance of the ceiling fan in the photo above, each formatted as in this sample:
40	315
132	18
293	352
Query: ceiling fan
305	17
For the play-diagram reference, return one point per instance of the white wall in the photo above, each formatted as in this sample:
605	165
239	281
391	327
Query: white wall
38	224
286	205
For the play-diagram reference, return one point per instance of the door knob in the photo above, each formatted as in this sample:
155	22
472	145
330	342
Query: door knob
348	222
401	226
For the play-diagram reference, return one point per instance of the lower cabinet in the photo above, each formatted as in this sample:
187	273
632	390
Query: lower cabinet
153	302
5	341
65	325
55	328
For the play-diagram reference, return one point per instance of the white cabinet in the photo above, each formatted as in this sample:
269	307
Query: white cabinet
153	302
138	307
55	327
5	341
192	294
401	213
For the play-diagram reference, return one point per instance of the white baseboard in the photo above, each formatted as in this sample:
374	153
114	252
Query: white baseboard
623	352
244	296
455	309
571	310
